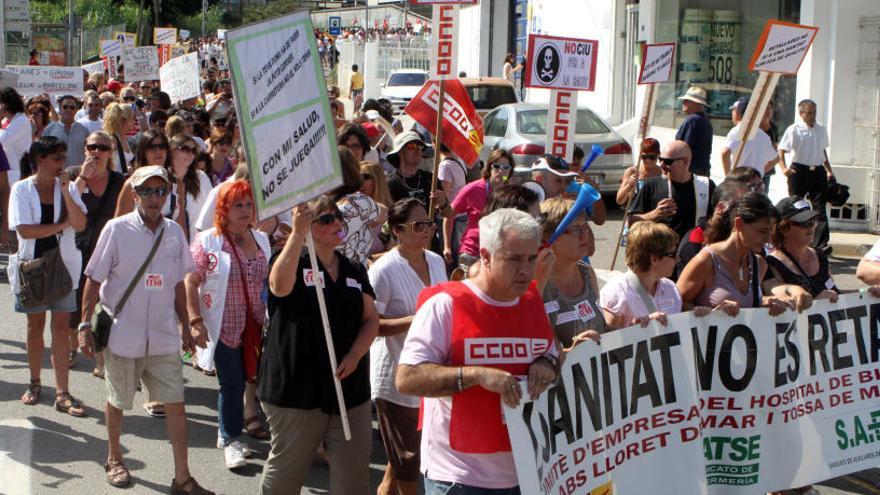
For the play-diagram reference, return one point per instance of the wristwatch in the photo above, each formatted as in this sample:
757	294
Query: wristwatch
85	325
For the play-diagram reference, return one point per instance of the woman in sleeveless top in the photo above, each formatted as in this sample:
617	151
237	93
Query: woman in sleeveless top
571	293
798	271
725	275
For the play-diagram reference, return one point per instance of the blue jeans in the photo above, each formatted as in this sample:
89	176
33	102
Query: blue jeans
230	400
445	488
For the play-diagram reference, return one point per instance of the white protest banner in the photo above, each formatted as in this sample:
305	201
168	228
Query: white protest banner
179	77
709	406
164	36
8	79
141	63
184	34
285	118
657	62
444	41
561	63
17	15
782	47
221	33
36	79
127	39
94	67
111	48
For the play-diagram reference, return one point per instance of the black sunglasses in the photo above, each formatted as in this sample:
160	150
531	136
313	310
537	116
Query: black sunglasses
98	147
422	225
329	218
157	146
649	156
668	160
146	192
129	98
68	107
187	149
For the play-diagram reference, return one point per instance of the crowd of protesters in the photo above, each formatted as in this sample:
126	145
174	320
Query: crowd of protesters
147	208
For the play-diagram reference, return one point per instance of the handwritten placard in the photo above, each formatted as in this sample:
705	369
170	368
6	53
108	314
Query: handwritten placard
782	47
657	63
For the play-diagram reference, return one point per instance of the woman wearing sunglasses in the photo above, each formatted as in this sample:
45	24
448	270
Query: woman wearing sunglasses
375	185
644	292
647	168
194	182
471	200
796	269
152	149
222	164
295	386
99	187
571	293
397	278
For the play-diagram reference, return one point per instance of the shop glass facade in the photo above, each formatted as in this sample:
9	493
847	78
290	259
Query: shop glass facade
716	39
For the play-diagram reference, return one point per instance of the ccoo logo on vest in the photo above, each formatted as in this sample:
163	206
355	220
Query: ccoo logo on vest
503	350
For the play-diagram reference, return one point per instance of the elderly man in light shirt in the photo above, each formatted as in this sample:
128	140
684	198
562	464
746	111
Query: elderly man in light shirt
809	171
465	445
70	131
144	342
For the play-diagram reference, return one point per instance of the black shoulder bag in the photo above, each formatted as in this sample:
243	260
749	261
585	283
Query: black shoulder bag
102	321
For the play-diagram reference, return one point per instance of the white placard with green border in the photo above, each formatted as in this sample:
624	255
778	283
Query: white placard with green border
282	107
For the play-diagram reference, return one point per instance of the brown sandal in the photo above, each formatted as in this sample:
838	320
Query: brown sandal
32	394
117	474
259	431
65	403
192	484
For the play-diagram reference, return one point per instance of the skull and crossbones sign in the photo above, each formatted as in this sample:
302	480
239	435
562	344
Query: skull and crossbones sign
547	72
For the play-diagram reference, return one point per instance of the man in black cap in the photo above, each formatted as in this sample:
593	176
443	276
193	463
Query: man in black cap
758	153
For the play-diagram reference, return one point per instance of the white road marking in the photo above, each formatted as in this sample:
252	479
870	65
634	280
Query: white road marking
16	441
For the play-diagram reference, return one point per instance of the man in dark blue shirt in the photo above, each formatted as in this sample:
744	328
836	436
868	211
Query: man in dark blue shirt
696	130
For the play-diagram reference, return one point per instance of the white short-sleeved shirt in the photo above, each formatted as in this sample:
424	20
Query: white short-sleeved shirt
874	253
397	288
92	125
430	341
454	172
16	141
620	298
756	153
806	144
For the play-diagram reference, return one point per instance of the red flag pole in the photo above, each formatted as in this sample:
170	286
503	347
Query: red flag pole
438	131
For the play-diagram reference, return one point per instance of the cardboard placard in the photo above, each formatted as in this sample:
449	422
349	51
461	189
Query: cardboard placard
127	39
111	48
561	63
141	63
164	36
35	80
782	47
657	63
179	77
282	106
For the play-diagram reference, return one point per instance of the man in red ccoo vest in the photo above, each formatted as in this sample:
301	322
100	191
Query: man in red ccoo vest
468	346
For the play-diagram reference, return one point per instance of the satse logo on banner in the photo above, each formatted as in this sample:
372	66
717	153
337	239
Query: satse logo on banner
561	63
462	126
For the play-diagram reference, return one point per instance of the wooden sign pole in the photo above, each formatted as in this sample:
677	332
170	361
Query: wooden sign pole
438	134
751	121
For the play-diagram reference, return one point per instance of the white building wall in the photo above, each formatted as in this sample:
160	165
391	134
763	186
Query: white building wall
484	30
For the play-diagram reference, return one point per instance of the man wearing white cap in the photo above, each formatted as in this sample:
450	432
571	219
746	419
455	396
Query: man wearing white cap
553	175
139	265
696	130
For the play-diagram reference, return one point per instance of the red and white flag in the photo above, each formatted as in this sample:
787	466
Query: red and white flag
462	128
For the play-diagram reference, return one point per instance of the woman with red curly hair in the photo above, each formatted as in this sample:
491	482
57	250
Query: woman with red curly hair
224	300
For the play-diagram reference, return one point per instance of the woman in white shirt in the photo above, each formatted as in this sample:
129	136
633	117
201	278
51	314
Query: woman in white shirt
511	68
183	149
644	292
15	135
45	212
397	278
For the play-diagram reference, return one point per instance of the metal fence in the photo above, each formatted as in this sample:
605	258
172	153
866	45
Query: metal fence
90	40
393	55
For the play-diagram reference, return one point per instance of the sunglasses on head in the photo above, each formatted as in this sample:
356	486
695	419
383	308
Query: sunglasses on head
157	146
98	147
146	192
501	166
421	225
187	149
668	160
329	218
649	156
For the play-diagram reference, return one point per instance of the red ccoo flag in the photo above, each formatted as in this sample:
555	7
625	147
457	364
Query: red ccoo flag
462	127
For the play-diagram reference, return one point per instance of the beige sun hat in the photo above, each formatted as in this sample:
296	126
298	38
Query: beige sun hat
695	94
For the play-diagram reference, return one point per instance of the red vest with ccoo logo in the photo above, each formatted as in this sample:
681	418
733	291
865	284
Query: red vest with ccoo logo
510	338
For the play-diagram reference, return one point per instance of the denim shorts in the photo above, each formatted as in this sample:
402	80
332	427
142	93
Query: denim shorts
445	488
66	304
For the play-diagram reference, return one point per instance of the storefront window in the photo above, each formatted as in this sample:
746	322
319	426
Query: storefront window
716	39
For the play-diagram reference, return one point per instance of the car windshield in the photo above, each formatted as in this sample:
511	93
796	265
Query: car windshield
407	79
535	122
489	97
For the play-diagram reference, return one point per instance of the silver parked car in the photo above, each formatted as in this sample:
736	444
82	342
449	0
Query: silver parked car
521	128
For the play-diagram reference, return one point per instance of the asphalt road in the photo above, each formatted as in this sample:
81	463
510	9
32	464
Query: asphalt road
42	451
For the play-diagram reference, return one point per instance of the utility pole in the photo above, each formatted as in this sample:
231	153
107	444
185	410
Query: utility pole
204	16
3	30
70	32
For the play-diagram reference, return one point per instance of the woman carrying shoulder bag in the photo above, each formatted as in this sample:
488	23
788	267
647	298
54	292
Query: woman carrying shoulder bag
45	210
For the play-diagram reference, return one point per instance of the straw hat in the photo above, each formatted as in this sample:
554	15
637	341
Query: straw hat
695	94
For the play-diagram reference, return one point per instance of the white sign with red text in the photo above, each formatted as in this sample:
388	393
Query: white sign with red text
444	43
561	119
561	63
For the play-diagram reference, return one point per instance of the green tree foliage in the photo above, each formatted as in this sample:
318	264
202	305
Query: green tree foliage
255	13
193	22
94	13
